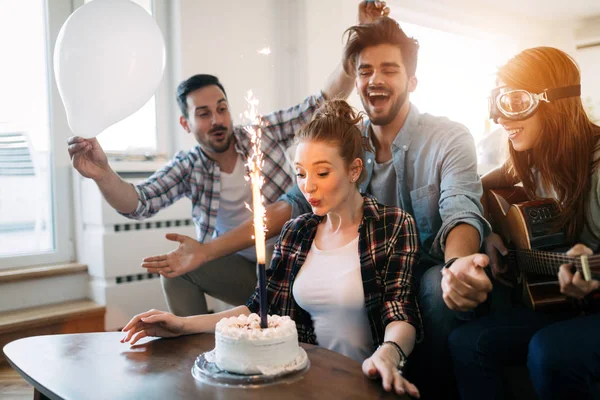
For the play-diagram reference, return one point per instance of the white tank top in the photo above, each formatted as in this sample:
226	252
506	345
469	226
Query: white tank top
235	193
329	287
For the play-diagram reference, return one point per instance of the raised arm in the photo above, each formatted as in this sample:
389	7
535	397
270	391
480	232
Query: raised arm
283	124
90	161
340	84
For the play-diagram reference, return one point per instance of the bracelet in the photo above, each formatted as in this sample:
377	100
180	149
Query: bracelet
448	263
399	350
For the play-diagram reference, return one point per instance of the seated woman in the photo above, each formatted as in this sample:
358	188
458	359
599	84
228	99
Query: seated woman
347	266
554	152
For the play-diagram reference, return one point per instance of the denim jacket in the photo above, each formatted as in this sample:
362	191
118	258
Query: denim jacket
437	180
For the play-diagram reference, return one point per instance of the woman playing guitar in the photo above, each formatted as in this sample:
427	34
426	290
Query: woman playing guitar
554	151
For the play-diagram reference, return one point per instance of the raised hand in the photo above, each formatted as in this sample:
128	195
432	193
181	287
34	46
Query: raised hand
575	285
383	363
88	157
369	11
465	284
189	255
153	323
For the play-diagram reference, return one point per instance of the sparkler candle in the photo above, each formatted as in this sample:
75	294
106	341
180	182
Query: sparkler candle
255	164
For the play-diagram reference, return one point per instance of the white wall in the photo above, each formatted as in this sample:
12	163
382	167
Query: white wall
223	39
588	32
326	22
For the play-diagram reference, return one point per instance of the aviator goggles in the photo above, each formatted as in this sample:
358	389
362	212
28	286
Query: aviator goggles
519	104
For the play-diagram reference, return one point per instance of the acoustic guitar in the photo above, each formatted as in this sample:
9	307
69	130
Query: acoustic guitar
537	248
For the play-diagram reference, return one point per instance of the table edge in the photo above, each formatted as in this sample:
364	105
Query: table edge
36	385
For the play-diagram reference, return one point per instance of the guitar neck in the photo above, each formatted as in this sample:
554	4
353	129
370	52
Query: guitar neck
548	263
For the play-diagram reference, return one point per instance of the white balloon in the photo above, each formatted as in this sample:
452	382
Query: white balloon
108	61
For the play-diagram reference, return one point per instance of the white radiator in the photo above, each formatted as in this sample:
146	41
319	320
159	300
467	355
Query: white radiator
113	247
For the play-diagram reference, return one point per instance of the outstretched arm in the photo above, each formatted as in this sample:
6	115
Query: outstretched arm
154	323
90	161
190	254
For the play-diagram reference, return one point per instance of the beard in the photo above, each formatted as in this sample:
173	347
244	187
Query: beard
386	119
212	144
221	147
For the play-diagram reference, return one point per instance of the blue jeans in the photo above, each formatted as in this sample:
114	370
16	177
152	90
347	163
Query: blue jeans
563	357
430	367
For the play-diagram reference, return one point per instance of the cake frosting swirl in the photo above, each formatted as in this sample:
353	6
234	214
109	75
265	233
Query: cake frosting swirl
243	347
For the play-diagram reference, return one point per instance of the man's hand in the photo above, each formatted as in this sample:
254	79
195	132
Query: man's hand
465	284
575	285
88	157
369	11
189	255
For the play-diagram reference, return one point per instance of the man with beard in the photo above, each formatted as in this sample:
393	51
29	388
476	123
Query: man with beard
212	175
426	165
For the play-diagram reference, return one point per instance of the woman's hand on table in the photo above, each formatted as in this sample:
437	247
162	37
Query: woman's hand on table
153	323
384	363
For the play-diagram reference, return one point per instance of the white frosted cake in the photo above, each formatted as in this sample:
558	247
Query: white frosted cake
242	347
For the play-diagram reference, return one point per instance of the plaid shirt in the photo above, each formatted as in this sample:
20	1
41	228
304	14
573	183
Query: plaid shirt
388	246
194	175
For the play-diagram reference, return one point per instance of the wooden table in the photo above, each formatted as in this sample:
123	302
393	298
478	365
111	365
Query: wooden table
97	366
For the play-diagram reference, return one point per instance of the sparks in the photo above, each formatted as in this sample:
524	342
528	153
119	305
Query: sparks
254	165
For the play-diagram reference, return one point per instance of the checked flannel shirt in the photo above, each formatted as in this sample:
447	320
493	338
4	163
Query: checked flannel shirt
388	246
194	175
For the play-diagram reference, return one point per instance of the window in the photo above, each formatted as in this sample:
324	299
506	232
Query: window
29	183
455	74
136	134
36	199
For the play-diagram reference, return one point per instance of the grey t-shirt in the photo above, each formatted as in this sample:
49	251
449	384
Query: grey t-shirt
591	232
383	183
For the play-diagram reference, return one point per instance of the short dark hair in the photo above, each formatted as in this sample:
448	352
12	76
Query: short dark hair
384	30
194	83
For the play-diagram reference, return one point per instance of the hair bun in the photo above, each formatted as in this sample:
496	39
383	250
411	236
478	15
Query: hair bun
339	109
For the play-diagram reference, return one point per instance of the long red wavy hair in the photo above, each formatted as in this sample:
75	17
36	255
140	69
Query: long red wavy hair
564	152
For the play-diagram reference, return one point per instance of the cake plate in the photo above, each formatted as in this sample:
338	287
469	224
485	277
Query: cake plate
205	370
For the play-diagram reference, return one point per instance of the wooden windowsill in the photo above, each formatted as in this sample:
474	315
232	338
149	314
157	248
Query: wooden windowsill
43	271
30	318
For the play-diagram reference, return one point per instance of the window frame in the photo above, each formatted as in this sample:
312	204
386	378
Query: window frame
62	173
60	164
